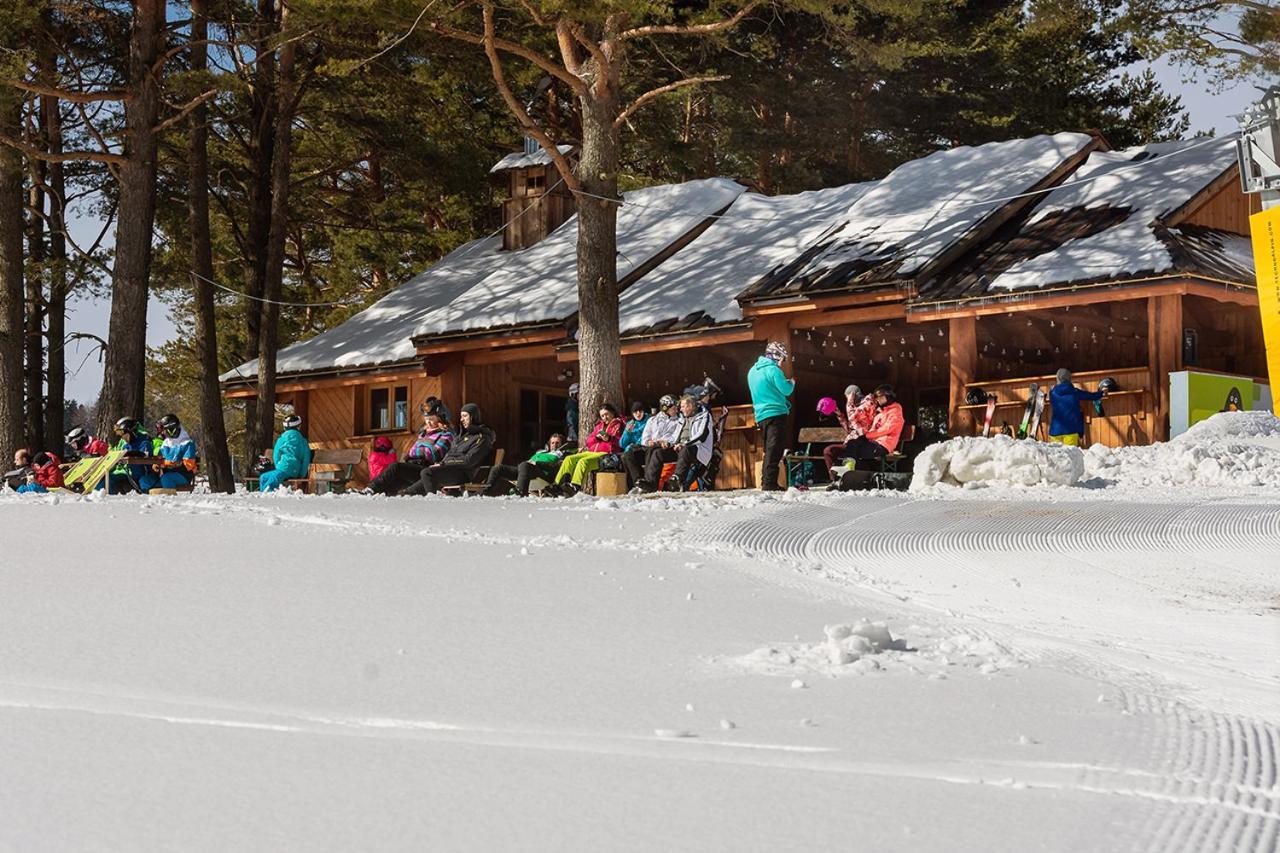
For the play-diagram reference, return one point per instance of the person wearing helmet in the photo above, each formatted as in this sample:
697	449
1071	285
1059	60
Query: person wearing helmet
857	417
79	444
179	459
290	456
644	461
1066	423
571	415
135	442
770	389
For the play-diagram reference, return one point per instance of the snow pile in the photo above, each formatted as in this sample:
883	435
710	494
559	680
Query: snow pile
1228	449
978	461
846	648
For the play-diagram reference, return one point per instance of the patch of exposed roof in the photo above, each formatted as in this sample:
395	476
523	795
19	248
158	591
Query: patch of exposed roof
521	160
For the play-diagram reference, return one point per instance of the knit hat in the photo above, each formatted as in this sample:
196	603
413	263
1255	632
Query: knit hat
474	411
293	422
776	351
637	406
853	391
573	389
1064	376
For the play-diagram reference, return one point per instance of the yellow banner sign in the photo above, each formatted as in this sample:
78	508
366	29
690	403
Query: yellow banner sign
1265	228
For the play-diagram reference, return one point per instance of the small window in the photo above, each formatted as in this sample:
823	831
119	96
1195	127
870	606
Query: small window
387	409
535	183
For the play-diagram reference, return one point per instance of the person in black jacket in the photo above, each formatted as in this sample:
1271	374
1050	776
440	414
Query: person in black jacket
472	447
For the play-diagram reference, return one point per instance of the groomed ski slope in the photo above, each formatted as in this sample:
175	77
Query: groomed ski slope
1083	668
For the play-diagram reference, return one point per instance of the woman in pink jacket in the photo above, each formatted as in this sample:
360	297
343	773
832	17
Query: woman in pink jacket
859	412
605	437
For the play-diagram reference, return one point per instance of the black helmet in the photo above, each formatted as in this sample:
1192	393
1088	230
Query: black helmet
975	397
77	438
1109	385
126	424
170	425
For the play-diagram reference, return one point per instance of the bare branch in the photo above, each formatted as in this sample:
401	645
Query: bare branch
518	110
65	94
692	29
61	156
662	90
184	111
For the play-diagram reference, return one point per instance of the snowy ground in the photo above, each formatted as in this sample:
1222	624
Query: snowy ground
338	673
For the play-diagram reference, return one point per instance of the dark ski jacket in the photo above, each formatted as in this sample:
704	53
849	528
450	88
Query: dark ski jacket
471	449
1065	400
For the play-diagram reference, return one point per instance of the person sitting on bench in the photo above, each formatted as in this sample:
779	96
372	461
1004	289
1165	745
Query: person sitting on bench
881	437
603	439
290	458
542	465
855	420
644	462
434	441
694	436
178	450
45	474
471	449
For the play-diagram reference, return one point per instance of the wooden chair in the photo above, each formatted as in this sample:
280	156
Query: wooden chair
320	482
793	462
889	462
476	486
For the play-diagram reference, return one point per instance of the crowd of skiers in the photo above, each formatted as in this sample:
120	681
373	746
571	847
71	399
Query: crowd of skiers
675	445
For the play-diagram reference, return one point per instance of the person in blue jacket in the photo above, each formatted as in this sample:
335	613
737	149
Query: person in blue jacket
1067	423
290	457
179	455
134	441
770	389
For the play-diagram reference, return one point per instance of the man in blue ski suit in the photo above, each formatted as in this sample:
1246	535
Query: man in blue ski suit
1067	423
178	450
770	389
291	456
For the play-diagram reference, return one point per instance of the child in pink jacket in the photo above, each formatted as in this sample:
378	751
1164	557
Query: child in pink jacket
382	455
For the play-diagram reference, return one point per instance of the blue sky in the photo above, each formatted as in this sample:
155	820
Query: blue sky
1209	110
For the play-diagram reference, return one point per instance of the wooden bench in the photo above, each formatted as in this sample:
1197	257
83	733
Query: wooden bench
794	461
320	482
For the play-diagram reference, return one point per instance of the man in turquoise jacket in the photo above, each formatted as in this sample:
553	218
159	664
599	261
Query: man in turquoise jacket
290	458
770	389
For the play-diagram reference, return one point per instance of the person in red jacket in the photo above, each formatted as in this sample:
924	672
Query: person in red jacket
881	437
81	444
46	474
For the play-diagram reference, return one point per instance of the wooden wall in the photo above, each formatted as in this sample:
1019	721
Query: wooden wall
1229	336
1226	210
495	388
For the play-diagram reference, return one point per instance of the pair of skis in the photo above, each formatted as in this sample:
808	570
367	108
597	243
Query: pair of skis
1032	412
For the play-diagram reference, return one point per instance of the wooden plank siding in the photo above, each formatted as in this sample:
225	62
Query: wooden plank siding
1225	209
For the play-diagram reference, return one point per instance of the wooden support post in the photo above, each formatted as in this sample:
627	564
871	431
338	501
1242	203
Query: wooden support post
452	371
962	358
301	407
1164	356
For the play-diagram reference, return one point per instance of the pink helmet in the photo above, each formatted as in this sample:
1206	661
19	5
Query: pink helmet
827	407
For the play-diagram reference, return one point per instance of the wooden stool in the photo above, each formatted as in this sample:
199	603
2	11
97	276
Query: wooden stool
160	491
610	484
782	474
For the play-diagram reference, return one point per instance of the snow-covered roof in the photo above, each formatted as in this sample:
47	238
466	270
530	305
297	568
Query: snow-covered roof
381	333
923	208
1150	182
521	160
539	284
757	233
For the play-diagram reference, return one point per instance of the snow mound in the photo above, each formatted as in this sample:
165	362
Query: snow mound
846	648
1227	449
1000	459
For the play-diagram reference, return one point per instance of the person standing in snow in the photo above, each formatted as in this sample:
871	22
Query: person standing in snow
177	450
855	420
571	415
434	441
1066	424
470	450
290	458
541	465
770	389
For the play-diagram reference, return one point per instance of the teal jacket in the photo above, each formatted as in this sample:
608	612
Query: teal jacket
770	389
291	455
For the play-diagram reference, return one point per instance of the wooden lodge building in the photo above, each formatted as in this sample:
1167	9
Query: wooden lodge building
985	267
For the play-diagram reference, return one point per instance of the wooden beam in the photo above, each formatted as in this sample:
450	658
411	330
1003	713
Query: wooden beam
1222	293
1083	297
782	308
481	343
687	342
962	357
289	387
825	303
1164	356
869	314
506	356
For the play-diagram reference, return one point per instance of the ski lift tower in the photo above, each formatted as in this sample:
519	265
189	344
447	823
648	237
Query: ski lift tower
1259	153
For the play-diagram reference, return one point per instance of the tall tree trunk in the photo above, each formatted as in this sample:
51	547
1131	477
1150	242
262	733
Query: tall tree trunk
262	112
214	448
56	369
123	385
33	378
10	276
281	162
599	349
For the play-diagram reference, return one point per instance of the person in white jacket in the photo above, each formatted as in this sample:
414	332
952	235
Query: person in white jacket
644	463
695	437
